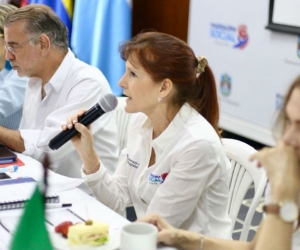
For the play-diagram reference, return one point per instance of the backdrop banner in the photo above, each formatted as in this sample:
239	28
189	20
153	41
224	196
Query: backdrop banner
253	66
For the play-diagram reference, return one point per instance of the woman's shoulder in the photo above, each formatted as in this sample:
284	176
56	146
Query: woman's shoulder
200	130
192	128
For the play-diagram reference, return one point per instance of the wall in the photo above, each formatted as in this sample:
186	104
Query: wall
168	16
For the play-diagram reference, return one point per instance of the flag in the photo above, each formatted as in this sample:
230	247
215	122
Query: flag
99	26
31	232
63	8
7	65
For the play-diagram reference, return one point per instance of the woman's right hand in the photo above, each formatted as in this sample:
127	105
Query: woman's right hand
171	236
83	141
166	233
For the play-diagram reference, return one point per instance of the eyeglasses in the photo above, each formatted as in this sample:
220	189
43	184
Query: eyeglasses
13	49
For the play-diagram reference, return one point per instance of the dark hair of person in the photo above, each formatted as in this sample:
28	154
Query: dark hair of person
280	123
41	19
166	57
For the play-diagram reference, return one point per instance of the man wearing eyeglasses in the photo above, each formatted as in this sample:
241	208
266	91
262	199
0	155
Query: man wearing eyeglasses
12	87
58	86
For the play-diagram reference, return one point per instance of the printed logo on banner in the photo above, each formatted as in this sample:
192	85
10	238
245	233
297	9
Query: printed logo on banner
225	85
235	37
242	37
279	101
298	46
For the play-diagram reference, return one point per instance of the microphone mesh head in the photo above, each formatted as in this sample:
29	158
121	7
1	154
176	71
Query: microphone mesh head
108	102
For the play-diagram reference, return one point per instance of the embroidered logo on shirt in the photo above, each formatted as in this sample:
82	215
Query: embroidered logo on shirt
132	163
157	179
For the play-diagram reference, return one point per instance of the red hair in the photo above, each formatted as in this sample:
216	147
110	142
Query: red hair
166	57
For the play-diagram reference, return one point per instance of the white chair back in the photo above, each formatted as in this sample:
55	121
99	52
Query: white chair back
122	121
243	173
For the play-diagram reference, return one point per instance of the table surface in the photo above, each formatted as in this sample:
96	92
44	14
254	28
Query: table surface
84	205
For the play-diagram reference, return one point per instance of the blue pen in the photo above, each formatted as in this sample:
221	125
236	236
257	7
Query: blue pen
12	168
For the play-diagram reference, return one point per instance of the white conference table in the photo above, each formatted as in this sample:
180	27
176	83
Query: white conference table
84	205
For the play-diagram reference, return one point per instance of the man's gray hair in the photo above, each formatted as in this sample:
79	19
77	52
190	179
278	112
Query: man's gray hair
41	19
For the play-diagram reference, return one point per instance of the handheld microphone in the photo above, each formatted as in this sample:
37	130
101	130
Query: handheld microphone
107	103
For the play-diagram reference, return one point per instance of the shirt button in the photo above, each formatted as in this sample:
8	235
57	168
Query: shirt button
144	201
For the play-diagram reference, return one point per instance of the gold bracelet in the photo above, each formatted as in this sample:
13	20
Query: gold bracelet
91	170
201	242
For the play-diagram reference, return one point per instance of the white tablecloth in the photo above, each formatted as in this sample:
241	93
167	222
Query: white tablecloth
84	205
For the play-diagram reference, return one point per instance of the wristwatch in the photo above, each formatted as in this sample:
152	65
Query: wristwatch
287	210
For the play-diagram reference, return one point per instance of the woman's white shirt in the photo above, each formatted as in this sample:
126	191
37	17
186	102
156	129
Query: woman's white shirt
187	185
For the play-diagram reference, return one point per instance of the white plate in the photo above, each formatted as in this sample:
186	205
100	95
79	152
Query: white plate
61	243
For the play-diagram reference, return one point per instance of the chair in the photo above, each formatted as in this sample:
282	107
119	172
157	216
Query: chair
242	174
122	121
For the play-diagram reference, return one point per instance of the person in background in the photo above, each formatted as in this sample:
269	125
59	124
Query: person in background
12	87
279	228
174	163
37	46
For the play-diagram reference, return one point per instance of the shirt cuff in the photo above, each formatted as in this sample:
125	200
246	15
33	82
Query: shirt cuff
30	138
95	176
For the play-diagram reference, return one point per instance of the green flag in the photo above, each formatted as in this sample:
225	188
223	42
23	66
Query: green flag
31	232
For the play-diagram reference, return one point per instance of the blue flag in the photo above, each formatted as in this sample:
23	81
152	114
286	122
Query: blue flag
63	8
99	26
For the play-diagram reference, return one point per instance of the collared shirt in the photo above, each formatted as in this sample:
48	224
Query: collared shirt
12	92
296	234
74	86
188	183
